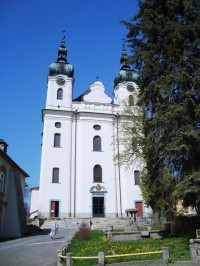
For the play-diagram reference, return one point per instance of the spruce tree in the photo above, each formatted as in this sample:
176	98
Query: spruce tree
164	39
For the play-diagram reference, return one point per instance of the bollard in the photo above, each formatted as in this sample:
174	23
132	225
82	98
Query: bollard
193	251
58	260
101	259
69	259
109	235
166	255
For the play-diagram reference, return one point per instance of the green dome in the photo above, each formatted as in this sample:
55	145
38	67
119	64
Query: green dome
61	66
126	73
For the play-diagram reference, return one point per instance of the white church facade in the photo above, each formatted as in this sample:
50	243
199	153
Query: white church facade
79	177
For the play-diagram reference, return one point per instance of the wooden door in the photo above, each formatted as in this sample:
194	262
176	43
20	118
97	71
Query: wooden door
54	209
138	205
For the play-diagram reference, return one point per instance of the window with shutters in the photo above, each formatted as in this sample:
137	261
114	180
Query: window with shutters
96	143
55	175
57	138
97	173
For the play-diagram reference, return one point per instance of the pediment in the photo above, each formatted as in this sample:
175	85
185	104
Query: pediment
96	93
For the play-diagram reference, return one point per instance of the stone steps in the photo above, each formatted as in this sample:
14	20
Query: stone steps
64	223
96	223
101	223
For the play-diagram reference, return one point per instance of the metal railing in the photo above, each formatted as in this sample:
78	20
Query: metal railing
101	257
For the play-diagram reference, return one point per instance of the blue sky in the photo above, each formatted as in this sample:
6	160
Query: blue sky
31	32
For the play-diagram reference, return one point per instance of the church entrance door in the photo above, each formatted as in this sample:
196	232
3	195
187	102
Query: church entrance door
98	207
138	205
54	209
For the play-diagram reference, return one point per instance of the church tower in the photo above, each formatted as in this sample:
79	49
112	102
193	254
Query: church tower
55	173
60	82
125	86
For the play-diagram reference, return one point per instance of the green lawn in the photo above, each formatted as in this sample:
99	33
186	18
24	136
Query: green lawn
178	247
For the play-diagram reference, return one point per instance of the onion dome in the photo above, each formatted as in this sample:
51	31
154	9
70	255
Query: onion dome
126	73
61	66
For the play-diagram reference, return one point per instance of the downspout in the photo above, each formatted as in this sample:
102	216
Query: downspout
118	163
70	178
75	112
116	195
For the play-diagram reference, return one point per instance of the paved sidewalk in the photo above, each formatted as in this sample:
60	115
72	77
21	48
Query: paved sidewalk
34	250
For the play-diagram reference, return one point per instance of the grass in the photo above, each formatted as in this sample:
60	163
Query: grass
178	247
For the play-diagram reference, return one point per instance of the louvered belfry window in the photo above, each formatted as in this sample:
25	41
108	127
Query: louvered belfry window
59	94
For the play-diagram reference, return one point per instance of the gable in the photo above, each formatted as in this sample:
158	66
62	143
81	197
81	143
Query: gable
96	93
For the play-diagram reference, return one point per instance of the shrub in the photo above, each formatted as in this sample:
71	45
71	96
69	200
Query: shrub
83	233
185	225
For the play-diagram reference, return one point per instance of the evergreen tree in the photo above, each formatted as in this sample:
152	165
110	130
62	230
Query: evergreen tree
164	38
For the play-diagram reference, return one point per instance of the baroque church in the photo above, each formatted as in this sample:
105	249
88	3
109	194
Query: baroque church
79	177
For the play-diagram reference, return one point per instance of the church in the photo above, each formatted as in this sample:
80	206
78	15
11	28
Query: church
79	177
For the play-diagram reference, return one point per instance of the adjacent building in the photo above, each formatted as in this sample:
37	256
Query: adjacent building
12	185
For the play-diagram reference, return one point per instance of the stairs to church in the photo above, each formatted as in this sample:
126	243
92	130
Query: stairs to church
64	223
95	223
100	223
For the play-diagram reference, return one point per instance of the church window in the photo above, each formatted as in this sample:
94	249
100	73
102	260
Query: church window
59	94
57	137
55	176
2	180
97	127
58	124
96	143
137	177
131	100
97	173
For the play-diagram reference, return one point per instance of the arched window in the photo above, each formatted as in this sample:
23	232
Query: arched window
97	173
96	143
59	94
131	100
137	177
55	175
58	124
2	181
57	138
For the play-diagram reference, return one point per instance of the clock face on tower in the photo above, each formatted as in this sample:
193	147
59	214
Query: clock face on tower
60	81
130	88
